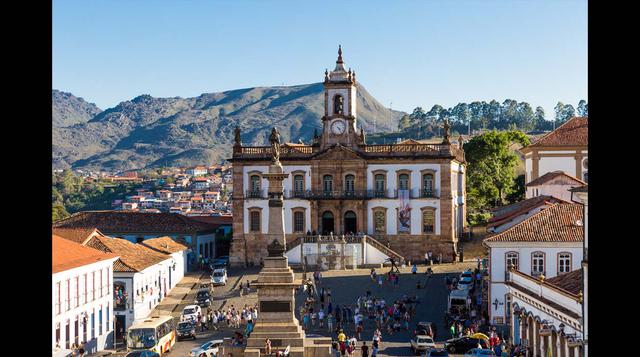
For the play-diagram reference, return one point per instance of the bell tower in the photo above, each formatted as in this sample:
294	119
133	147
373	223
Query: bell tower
339	120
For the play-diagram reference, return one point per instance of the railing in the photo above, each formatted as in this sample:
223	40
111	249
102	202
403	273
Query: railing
386	250
357	194
331	238
265	151
256	194
407	148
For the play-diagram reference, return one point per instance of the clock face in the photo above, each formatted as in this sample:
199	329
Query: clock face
338	127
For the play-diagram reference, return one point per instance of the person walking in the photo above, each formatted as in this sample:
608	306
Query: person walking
267	346
414	269
364	349
330	322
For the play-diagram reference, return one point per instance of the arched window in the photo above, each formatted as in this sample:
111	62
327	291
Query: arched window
428	220
537	263
403	182
564	262
327	183
338	104
427	185
255	183
349	183
512	259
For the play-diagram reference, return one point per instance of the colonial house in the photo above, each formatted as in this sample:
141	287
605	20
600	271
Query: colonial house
564	149
555	183
177	251
141	278
81	283
547	243
139	226
410	196
196	171
200	183
507	216
546	313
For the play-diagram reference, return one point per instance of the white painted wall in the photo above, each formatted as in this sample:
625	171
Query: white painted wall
550	164
516	220
525	249
555	190
528	168
86	304
392	177
353	252
289	204
392	214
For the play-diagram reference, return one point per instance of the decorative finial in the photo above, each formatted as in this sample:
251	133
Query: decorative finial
339	54
580	296
349	75
541	277
326	75
353	76
238	140
446	140
460	141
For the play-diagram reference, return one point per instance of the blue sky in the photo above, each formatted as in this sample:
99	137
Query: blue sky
411	53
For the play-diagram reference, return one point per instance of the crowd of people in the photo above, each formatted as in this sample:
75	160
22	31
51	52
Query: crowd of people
231	317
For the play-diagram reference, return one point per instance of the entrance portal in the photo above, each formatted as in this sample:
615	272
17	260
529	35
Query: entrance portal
327	223
350	223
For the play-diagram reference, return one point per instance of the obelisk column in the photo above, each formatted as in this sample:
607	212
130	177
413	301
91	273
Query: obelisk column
276	192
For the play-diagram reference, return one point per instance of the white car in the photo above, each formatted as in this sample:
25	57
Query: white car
219	277
190	312
422	343
208	349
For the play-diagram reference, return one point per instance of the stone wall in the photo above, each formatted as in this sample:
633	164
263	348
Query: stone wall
414	247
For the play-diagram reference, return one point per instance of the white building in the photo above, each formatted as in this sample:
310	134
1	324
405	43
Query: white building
581	195
546	313
144	276
547	243
196	171
564	149
555	183
179	255
82	305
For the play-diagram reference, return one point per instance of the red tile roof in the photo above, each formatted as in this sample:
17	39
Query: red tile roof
78	235
68	255
574	132
552	175
133	257
112	222
506	213
164	245
571	281
554	224
214	220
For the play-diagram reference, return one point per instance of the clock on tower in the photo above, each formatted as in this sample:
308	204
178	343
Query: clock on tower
339	121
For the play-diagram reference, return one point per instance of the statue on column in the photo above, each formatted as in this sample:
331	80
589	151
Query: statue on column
275	146
237	136
445	139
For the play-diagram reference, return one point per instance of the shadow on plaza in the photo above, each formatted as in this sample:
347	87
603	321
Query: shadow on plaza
346	290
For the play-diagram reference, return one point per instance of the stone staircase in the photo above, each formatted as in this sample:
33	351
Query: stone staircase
384	249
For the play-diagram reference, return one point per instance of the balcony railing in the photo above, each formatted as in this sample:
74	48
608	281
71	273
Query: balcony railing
260	194
352	194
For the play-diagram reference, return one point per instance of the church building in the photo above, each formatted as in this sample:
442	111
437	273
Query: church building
409	196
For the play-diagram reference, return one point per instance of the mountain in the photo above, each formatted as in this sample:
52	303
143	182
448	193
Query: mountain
151	132
68	109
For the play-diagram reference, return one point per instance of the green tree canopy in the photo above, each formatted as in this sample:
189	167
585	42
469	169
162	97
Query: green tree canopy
491	175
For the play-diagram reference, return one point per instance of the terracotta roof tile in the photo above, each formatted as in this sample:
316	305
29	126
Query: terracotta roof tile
214	220
515	209
552	175
554	224
133	257
68	255
574	132
133	222
164	245
78	235
571	281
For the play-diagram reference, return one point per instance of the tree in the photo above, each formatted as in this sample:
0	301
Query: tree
559	111
540	121
583	108
404	123
491	168
568	112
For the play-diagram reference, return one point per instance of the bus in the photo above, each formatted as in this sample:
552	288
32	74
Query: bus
157	334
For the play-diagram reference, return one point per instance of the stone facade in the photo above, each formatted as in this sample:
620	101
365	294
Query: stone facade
341	188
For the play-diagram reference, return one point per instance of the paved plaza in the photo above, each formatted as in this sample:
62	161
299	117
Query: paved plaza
346	286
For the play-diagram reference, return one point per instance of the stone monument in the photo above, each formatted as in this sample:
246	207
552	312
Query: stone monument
276	284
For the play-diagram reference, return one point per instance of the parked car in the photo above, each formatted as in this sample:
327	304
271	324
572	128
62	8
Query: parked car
464	344
479	352
219	277
422	328
190	312
203	298
436	352
142	354
208	349
186	329
421	343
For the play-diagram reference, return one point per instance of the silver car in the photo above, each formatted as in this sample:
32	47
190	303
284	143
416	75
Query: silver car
208	349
